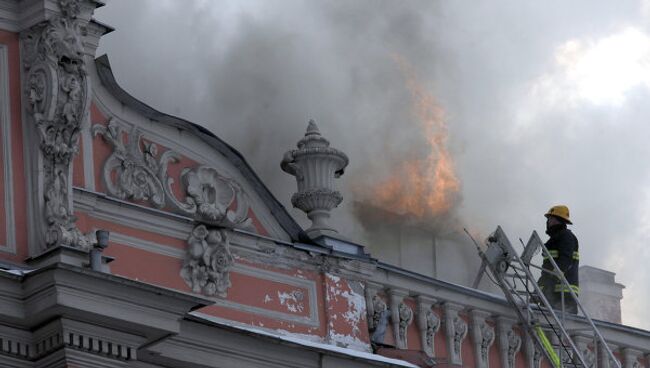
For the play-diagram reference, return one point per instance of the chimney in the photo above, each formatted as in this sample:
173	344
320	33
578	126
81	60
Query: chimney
600	294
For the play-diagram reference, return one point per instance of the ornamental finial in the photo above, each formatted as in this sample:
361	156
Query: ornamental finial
315	165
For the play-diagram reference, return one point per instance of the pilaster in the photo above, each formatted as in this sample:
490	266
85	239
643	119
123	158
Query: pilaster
533	352
509	341
483	336
377	310
56	96
456	330
583	343
604	360
401	316
631	357
428	323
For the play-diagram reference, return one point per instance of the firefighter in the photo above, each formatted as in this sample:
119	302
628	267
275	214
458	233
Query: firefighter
563	248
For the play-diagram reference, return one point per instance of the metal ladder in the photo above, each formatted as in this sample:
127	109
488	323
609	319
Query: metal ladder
512	274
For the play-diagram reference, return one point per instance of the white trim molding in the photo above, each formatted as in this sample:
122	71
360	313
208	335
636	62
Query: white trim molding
167	250
9	15
88	155
188	146
5	135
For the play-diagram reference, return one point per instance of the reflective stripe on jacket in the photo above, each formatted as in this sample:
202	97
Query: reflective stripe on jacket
563	247
556	254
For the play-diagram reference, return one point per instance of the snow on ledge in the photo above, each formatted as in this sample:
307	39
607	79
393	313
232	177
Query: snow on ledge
15	271
304	340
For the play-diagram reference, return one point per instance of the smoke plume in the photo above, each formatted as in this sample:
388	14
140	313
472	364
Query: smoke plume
533	118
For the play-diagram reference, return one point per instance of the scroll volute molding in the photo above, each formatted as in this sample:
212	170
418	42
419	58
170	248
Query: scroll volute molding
378	312
533	352
583	343
56	98
401	316
631	357
509	341
137	171
456	330
483	336
428	324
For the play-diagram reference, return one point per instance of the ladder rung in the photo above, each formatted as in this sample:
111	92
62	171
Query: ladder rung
530	305
574	330
523	292
510	274
518	268
546	325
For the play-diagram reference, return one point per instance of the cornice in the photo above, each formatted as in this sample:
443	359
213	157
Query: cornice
65	290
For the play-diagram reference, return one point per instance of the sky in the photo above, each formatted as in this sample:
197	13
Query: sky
543	102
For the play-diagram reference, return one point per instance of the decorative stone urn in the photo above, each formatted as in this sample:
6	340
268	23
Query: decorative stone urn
315	165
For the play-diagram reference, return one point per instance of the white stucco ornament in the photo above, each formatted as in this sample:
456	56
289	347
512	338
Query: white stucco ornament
315	165
57	92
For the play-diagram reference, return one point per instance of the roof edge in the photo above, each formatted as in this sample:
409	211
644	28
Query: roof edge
279	212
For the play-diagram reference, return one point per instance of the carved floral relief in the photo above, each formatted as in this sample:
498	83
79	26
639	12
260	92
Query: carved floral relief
514	343
533	352
57	89
136	171
129	172
405	319
460	331
487	338
456	330
210	196
379	308
208	262
432	326
537	358
378	319
589	356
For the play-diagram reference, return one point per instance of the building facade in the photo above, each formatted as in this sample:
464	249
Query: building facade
203	266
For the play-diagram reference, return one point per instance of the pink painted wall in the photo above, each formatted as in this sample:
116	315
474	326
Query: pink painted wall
439	340
102	150
494	355
413	332
338	317
78	179
467	348
246	290
18	169
345	311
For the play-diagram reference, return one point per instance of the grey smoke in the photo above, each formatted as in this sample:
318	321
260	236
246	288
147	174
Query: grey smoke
255	72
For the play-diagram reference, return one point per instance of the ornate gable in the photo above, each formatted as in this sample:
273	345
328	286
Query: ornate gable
150	159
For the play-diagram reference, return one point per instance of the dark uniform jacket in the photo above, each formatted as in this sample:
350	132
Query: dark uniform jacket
563	247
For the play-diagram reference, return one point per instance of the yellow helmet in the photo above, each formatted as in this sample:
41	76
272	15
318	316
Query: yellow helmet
560	211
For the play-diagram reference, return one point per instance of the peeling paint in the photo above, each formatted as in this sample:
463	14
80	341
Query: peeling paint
317	342
346	310
356	309
347	341
300	274
293	301
313	338
334	278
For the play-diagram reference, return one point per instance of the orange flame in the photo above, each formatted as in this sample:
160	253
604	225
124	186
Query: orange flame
428	186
